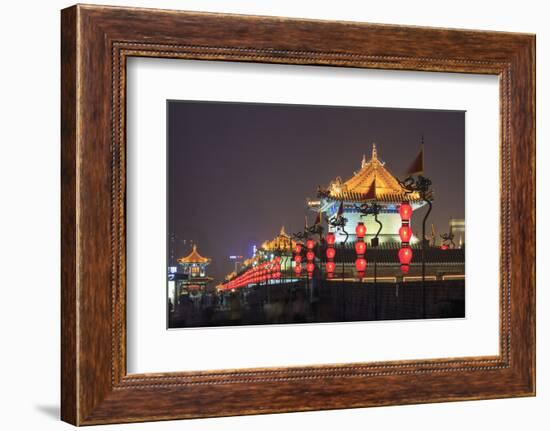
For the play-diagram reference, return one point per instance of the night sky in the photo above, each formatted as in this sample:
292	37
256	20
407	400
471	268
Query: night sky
237	172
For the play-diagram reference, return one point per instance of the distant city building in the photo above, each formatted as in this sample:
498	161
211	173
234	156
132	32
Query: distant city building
238	262
374	183
457	227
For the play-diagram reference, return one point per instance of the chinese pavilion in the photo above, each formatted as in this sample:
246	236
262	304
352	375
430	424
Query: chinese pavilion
372	183
193	268
281	243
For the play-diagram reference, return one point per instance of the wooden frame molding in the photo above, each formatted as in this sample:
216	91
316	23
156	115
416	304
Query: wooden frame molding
95	43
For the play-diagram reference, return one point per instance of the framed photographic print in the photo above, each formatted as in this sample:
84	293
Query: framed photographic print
316	215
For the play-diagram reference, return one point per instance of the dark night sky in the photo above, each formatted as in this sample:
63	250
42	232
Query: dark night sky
237	172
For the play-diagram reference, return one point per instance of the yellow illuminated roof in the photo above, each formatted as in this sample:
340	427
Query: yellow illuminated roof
372	181
193	257
281	242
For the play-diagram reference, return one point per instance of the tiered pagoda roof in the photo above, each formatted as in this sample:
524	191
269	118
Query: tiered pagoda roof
194	257
372	182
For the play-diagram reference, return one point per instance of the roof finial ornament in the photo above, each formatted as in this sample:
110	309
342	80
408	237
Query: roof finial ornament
364	161
374	154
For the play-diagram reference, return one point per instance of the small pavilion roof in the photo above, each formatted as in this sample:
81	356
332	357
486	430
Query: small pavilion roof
281	242
194	257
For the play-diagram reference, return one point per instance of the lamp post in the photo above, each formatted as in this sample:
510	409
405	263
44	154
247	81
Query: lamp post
405	233
330	254
360	249
373	209
306	237
298	260
423	187
338	223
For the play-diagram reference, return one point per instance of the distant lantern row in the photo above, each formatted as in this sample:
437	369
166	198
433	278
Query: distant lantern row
263	272
405	252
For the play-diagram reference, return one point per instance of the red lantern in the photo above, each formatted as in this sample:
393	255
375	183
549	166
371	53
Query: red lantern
298	269
360	230
405	255
444	247
310	244
310	267
360	247
405	211
298	249
310	255
360	264
330	267
405	269
297	258
277	259
331	252
405	233
331	238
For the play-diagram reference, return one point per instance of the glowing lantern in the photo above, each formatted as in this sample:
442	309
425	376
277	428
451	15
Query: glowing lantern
330	267
310	267
297	258
444	247
405	211
360	264
405	233
298	249
360	230
331	252
310	255
360	247
331	238
405	255
298	269
310	244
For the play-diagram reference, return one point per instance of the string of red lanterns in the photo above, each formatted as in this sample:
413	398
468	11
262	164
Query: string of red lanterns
265	271
360	249
330	253
298	260
310	256
405	233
